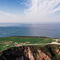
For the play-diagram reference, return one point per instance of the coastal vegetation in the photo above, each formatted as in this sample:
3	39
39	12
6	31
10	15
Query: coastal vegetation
7	42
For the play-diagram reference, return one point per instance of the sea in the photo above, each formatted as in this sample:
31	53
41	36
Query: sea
16	29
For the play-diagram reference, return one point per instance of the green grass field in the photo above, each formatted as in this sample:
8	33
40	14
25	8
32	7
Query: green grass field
8	42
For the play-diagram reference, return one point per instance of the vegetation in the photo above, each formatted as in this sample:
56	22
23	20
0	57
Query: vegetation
7	42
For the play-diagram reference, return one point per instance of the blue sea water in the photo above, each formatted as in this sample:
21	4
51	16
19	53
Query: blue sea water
47	30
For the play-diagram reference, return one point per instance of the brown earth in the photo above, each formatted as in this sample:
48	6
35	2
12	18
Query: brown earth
7	43
48	52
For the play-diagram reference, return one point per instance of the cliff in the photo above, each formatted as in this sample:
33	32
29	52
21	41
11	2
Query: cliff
48	52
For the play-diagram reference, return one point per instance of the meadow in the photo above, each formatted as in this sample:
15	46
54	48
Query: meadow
7	42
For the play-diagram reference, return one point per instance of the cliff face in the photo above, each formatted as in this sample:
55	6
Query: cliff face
48	52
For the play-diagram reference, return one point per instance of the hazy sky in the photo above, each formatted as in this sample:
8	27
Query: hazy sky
29	11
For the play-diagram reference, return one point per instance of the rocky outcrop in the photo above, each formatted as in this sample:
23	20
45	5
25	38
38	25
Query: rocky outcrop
48	52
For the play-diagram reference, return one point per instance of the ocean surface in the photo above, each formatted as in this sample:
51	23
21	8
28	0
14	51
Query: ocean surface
46	30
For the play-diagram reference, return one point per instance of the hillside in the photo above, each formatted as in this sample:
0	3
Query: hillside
47	52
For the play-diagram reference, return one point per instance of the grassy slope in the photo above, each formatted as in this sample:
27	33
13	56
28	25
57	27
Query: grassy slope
32	40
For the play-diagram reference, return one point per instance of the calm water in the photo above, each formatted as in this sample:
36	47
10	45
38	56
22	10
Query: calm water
48	30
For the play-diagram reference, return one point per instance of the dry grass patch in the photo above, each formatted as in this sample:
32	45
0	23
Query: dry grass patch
7	43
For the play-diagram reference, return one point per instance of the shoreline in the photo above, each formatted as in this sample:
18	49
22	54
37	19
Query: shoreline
31	37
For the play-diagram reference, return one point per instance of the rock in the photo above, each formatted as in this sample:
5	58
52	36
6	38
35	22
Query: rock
48	52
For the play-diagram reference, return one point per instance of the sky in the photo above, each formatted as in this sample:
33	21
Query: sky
29	11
